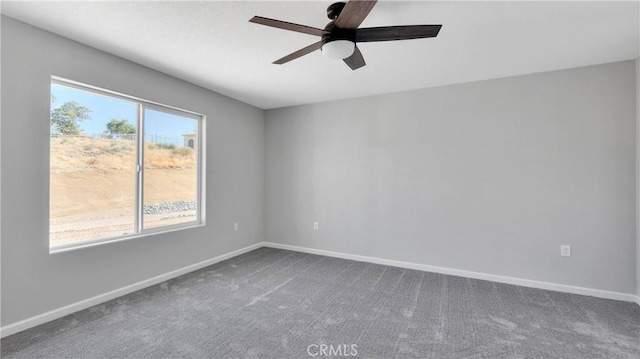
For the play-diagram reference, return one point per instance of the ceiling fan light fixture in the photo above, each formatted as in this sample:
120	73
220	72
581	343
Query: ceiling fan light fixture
338	49
339	37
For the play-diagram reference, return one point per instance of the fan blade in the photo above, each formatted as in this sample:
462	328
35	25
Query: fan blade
354	13
356	60
287	25
294	55
389	33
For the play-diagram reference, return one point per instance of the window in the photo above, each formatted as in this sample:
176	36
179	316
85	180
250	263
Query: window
120	167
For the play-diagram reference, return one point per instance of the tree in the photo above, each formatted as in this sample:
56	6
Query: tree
120	127
65	118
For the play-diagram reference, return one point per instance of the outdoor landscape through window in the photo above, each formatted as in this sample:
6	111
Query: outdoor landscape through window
105	181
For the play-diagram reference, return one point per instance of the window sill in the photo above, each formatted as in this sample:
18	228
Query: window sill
98	242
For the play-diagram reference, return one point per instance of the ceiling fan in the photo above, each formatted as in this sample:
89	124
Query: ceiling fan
339	38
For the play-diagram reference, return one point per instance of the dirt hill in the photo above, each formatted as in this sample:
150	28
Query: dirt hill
93	185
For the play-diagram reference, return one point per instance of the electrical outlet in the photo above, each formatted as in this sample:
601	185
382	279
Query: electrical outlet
565	250
316	226
236	226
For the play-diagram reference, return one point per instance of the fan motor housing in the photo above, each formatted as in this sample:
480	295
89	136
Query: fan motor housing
332	31
335	33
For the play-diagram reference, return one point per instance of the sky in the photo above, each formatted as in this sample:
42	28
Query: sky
169	128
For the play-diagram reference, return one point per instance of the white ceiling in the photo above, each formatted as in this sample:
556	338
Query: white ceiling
212	44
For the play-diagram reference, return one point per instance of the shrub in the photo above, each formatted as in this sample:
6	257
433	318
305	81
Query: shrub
166	146
110	149
182	151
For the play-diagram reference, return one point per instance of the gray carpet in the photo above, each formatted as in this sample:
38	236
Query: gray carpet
273	303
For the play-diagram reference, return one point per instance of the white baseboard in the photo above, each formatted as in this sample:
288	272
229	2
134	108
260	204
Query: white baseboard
467	274
99	299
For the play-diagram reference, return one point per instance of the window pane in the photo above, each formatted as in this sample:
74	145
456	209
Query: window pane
92	166
170	171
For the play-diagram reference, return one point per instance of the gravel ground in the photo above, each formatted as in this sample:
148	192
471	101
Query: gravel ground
169	207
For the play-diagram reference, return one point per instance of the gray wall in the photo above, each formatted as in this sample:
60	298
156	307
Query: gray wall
34	281
489	176
638	177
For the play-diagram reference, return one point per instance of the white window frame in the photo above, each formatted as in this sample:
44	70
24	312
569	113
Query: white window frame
142	104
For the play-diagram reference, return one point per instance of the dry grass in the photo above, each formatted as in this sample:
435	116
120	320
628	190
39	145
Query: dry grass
72	154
